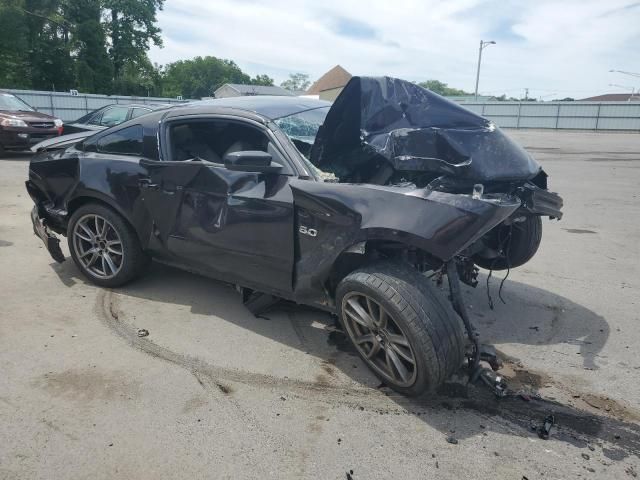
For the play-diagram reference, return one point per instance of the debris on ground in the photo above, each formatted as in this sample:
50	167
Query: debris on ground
586	456
545	429
143	332
452	440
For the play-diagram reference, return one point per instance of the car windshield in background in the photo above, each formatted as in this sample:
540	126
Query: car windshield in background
303	125
13	104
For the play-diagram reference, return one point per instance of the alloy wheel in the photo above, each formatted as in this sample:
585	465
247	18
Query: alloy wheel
380	340
98	246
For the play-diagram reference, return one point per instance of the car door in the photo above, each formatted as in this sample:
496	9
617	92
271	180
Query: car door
235	225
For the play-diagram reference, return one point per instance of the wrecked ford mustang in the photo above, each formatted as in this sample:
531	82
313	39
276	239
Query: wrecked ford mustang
342	207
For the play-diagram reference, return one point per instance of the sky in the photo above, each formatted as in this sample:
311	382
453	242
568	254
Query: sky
555	48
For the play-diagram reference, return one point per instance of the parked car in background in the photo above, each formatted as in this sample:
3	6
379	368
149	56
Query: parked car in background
22	126
109	116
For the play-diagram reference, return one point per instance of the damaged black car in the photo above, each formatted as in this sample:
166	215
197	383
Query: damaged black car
343	207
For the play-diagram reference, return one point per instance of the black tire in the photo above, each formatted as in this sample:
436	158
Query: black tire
523	245
435	333
133	260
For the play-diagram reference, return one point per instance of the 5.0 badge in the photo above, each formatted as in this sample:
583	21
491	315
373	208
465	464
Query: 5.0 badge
312	232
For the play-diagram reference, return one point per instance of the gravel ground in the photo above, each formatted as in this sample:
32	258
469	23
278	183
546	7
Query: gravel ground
213	392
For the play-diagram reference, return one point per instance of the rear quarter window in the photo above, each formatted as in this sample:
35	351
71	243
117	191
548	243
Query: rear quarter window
127	141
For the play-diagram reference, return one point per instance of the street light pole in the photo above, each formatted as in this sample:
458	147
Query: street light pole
631	74
483	44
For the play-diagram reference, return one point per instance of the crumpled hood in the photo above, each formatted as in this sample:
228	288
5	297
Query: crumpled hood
384	124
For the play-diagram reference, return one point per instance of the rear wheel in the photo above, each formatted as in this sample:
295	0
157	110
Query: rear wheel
518	243
104	247
405	332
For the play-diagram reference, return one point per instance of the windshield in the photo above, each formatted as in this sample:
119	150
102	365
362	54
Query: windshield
13	104
303	125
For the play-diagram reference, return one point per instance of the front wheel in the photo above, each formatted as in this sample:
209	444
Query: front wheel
401	327
104	247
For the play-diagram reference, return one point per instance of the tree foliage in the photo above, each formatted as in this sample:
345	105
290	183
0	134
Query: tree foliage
100	46
442	88
296	82
200	76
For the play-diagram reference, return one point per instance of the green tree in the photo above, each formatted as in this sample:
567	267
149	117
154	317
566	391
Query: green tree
93	45
14	31
131	27
200	76
94	70
296	82
265	80
49	50
442	88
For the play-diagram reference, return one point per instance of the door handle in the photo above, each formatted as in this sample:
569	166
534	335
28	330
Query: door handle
147	184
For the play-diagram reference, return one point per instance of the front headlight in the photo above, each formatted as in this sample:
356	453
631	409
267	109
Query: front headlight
57	122
12	122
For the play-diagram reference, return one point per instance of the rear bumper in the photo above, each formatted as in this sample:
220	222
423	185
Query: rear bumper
51	242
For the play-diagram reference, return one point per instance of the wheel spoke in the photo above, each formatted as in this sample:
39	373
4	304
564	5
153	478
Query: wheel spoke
111	244
88	252
361	316
397	363
368	338
87	230
375	348
398	339
93	258
104	266
404	355
82	237
109	260
382	318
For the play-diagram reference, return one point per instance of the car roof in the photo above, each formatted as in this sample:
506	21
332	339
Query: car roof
152	106
268	106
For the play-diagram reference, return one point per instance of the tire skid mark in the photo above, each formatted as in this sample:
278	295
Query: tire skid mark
621	438
108	313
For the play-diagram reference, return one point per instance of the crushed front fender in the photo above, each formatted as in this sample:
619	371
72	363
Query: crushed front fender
341	215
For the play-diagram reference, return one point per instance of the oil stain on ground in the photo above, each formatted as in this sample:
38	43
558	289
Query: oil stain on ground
88	384
578	230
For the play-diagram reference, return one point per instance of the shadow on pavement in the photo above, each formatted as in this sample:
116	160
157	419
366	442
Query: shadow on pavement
532	316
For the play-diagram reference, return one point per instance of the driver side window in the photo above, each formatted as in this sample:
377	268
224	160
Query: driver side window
211	140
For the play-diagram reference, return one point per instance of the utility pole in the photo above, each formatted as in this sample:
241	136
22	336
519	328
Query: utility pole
526	94
483	44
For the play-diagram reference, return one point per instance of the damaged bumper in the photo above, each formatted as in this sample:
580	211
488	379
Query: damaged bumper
50	240
541	202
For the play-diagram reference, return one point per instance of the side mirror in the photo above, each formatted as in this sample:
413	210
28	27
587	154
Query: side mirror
251	161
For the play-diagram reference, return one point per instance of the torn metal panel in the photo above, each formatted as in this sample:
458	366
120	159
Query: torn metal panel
379	122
